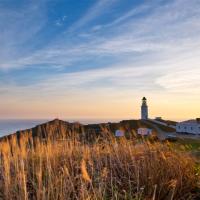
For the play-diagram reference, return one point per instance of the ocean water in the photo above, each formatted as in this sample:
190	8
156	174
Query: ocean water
11	126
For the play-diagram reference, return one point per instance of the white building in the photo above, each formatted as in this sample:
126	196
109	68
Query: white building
190	126
119	133
144	131
144	109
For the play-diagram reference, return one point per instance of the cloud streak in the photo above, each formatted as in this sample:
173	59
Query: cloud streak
150	48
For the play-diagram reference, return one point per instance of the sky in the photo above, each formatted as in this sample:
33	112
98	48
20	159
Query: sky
96	59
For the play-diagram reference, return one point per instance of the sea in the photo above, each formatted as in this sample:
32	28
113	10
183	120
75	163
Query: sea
9	126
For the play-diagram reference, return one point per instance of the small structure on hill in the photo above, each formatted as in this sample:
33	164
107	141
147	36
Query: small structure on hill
119	133
144	131
189	126
144	109
158	118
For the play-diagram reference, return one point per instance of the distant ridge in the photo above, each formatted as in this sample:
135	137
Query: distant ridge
59	129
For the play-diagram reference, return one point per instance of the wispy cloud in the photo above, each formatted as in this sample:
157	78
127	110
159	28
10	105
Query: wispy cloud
61	21
93	12
169	28
17	28
150	48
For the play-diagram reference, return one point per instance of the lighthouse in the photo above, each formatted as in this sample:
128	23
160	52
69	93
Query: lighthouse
144	109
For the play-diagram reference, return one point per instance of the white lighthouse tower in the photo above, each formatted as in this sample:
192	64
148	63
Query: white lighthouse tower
144	109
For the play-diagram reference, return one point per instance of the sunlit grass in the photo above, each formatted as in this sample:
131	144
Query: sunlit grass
109	169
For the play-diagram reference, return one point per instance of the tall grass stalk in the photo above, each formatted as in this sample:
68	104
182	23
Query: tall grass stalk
67	168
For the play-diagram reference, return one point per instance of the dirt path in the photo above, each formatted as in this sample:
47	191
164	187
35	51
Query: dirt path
164	134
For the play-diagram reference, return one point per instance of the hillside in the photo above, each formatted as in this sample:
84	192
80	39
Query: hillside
59	129
62	160
110	169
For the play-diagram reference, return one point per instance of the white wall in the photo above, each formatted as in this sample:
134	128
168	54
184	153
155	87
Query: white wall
193	128
119	133
144	131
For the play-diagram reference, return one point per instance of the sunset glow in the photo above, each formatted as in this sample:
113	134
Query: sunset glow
97	59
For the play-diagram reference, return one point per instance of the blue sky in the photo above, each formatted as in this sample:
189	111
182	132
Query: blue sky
96	58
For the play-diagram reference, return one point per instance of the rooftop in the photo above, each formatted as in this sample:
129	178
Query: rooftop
192	121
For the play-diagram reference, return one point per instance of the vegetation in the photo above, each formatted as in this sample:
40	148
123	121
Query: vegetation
163	128
169	122
110	168
188	144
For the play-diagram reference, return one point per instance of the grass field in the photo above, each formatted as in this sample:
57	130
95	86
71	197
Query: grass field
110	169
190	144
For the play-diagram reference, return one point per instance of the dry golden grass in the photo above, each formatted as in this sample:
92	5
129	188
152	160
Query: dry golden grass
110	169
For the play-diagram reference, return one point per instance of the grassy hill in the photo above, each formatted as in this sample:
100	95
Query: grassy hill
59	129
59	160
